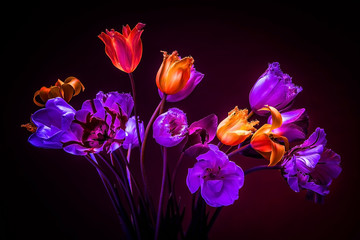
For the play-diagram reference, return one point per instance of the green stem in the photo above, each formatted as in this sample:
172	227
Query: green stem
161	193
262	167
142	152
135	111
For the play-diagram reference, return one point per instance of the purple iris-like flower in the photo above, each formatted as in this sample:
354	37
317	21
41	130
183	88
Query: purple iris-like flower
273	88
52	124
131	137
311	166
200	133
170	128
100	124
194	80
218	178
294	125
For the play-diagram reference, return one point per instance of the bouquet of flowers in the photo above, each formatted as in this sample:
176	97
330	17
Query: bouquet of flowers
108	127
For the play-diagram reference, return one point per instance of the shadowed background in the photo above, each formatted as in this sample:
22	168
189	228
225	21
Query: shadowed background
51	194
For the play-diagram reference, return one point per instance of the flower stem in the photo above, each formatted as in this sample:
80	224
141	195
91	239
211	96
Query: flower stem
142	152
173	177
120	212
161	193
262	167
238	150
135	111
127	168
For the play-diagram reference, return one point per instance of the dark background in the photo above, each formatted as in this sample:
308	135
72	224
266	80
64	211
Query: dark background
48	194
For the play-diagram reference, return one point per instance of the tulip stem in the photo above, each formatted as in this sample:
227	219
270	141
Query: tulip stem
161	193
142	152
250	114
262	167
135	111
238	150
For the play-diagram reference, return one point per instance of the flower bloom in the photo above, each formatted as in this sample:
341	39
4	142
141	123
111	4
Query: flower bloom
174	73
273	88
234	129
170	128
294	125
194	80
200	134
52	123
218	178
311	166
131	138
265	142
124	50
66	90
100	124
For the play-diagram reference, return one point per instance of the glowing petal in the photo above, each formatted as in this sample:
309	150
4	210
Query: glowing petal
277	153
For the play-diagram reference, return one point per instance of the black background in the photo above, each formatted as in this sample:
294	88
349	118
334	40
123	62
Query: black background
48	194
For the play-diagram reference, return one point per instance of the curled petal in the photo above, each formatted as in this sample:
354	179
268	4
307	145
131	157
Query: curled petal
277	153
275	115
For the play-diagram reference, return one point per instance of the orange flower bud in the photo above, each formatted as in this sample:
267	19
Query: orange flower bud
173	73
234	129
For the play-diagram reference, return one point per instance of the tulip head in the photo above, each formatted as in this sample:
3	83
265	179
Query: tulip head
173	73
234	129
124	50
266	142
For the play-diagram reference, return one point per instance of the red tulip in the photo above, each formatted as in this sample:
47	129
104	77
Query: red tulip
124	49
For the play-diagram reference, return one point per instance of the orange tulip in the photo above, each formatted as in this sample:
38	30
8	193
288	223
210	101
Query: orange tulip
173	73
124	50
66	90
234	129
265	142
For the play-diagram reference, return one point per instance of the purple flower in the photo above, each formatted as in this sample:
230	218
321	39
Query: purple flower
218	178
52	123
100	124
294	125
194	80
170	128
273	88
311	166
131	133
200	133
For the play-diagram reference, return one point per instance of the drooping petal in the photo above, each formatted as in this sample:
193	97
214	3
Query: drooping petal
277	153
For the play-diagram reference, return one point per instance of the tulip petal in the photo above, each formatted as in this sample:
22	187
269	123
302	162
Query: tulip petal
277	153
275	115
262	143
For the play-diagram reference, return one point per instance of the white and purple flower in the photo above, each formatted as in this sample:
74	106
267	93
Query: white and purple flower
311	166
218	178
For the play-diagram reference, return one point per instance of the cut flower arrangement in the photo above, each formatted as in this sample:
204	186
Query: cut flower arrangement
108	127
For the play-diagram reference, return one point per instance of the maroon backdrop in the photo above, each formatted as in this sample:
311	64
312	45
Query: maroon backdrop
48	194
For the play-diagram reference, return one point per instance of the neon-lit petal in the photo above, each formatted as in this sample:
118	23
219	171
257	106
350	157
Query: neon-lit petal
277	153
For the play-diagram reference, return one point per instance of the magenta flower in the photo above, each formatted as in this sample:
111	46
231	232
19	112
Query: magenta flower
311	166
294	125
52	124
194	80
200	134
100	124
170	128
218	178
273	88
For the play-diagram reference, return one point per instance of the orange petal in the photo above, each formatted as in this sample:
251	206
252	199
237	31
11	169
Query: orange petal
265	129
75	84
37	93
277	153
275	115
261	142
54	92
